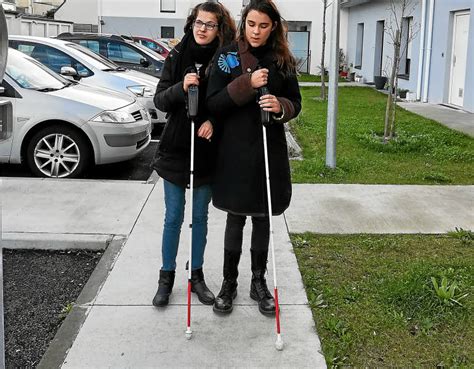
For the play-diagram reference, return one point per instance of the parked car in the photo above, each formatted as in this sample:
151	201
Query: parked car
60	127
120	50
157	46
81	64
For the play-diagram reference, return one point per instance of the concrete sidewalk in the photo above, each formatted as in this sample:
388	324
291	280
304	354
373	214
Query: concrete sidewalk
352	208
458	120
123	329
44	213
119	328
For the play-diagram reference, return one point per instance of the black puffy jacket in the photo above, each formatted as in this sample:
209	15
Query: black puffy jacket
172	159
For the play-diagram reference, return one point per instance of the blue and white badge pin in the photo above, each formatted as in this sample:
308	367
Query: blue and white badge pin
228	62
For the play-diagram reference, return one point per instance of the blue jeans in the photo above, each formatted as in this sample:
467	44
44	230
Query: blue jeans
174	216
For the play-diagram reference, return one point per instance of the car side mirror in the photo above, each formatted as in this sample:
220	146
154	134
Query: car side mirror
68	72
144	63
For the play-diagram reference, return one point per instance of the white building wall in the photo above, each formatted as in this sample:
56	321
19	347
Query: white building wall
440	73
438	81
144	17
369	14
80	11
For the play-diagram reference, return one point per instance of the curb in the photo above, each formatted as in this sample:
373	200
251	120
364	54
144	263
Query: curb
65	336
55	241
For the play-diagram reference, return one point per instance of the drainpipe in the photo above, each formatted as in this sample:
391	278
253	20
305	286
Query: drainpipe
422	50
99	16
428	52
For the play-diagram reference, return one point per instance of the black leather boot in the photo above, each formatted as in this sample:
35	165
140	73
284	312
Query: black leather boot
228	292
165	286
258	287
198	286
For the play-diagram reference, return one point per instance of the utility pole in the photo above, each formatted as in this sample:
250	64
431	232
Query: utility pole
332	93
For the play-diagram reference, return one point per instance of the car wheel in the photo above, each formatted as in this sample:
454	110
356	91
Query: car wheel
58	152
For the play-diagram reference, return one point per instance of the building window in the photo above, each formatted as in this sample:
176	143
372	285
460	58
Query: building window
405	48
359	46
168	6
167	32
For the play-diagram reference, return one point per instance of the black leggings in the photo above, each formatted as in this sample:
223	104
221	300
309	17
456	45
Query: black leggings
234	233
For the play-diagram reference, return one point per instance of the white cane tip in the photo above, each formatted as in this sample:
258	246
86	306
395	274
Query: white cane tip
189	335
279	344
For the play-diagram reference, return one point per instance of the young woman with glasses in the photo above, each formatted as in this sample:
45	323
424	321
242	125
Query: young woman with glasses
259	58
208	27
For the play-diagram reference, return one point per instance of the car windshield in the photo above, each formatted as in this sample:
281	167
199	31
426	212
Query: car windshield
31	74
97	60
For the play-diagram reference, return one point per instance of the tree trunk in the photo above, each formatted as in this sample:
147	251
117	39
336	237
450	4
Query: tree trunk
392	93
323	69
398	45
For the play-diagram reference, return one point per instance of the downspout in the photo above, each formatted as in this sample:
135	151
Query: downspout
428	52
99	16
422	50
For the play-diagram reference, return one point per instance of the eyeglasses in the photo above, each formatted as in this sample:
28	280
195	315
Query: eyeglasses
209	26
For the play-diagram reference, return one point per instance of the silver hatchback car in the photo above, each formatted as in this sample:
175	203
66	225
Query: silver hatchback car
79	63
60	127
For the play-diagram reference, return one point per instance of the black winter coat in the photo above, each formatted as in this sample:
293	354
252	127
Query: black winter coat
172	159
239	184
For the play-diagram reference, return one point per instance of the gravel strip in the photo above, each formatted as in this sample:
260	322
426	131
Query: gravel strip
39	286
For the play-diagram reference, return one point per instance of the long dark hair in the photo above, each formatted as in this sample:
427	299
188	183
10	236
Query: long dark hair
277	40
226	30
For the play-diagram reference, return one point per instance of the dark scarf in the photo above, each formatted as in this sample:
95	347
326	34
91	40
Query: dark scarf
192	53
264	55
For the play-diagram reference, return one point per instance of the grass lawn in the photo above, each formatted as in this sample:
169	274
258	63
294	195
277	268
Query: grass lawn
425	152
315	78
375	305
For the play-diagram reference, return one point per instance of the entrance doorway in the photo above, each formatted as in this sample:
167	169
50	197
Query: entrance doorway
459	58
299	45
379	40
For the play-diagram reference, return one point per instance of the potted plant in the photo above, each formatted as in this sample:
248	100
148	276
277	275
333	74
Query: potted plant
342	64
380	82
352	73
402	93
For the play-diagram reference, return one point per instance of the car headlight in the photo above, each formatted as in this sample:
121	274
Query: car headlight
146	115
142	91
114	117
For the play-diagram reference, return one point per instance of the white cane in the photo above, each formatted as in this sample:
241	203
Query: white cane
193	102
265	118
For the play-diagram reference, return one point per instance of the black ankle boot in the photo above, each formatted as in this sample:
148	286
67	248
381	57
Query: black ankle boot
165	286
198	286
224	300
258	287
